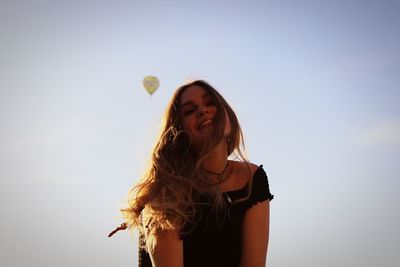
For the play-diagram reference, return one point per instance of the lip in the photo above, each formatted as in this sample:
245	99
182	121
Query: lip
204	123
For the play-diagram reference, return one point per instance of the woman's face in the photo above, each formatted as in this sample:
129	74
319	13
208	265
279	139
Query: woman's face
198	110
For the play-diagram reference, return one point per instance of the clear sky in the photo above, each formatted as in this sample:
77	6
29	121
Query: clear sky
315	85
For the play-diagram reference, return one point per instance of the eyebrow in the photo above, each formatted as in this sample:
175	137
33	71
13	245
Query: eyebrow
190	102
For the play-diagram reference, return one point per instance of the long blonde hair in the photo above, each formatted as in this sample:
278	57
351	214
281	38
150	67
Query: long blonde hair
165	198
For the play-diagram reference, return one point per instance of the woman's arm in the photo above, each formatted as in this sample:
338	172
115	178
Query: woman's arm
255	234
168	250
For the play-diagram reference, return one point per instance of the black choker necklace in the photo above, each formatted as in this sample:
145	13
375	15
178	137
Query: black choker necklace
219	174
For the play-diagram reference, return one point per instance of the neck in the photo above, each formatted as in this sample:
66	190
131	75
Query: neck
216	162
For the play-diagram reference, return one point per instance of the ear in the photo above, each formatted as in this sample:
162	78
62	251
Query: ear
227	130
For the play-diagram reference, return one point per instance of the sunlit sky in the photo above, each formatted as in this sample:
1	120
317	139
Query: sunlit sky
315	85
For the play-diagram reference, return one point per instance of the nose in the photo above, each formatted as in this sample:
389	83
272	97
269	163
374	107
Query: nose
203	110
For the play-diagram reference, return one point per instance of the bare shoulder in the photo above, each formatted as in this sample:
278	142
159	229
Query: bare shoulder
253	168
246	170
247	166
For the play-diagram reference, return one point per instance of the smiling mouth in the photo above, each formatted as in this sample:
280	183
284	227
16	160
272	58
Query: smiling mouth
205	123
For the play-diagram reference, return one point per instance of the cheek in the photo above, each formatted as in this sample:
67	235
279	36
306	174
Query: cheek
187	123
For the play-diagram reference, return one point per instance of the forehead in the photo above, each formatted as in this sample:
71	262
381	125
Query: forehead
193	93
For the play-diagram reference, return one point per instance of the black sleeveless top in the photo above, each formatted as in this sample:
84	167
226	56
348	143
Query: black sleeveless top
215	240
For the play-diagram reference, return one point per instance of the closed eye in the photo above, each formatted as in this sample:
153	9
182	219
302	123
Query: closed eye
189	111
210	103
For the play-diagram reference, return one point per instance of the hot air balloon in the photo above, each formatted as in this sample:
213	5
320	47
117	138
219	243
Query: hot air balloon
151	84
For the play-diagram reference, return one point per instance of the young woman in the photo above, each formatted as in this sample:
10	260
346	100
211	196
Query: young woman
201	203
